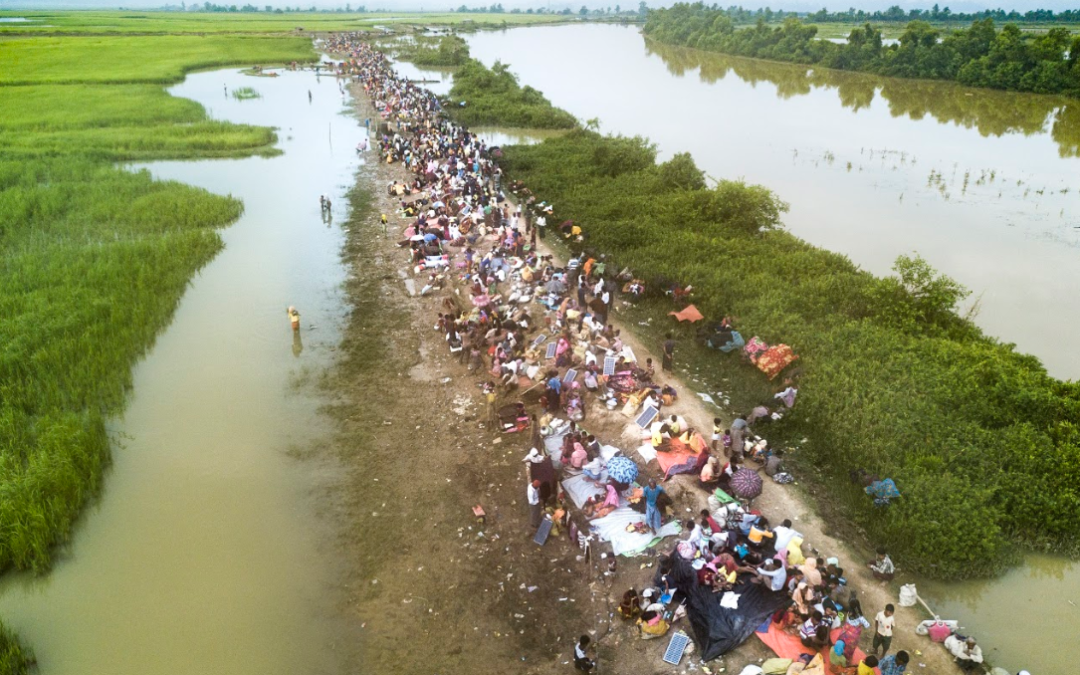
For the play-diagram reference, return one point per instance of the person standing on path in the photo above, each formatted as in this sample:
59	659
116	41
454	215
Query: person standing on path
668	361
582	661
652	513
533	494
883	628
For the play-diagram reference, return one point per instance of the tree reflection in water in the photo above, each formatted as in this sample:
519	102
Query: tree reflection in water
991	113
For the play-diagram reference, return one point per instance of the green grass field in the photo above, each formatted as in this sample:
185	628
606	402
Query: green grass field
94	258
136	59
149	22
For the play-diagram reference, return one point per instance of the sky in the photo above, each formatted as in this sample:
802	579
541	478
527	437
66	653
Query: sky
435	5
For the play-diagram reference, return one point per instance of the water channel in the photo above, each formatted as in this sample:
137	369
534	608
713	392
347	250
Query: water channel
985	185
206	552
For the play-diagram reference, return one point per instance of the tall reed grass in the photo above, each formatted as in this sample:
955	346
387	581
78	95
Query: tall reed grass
94	258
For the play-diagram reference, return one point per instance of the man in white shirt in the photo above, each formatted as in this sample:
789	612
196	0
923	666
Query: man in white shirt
883	628
968	654
773	573
784	535
533	494
582	661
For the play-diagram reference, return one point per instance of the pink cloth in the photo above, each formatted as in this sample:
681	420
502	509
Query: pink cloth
612	498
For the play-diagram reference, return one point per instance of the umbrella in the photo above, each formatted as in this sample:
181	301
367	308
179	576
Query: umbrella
746	483
622	470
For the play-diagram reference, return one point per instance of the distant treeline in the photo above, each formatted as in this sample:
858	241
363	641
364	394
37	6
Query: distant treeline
248	8
979	56
897	14
642	10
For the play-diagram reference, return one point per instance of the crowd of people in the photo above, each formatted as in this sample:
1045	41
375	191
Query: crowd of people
538	335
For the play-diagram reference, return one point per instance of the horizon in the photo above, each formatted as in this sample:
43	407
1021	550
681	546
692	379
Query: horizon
410	6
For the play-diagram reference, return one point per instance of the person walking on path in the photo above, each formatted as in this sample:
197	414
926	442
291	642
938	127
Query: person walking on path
652	512
668	361
883	628
533	494
582	661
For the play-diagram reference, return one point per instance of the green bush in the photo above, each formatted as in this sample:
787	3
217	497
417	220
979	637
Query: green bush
492	96
983	444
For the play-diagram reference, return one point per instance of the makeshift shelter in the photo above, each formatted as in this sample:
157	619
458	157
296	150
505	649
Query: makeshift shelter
791	647
683	457
718	629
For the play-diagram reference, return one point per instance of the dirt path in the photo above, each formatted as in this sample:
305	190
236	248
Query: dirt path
437	592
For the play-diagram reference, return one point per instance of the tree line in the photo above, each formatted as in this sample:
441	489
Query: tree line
978	56
617	10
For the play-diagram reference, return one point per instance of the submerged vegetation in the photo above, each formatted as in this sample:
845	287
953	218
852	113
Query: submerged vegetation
245	94
980	56
449	50
983	443
94	258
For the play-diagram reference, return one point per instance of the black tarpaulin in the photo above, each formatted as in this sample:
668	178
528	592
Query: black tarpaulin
718	630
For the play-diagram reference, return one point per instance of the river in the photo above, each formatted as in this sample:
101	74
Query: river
206	552
857	157
985	185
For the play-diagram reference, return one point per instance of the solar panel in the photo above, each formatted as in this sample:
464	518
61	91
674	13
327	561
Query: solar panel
542	532
551	350
673	653
539	340
569	377
647	416
609	366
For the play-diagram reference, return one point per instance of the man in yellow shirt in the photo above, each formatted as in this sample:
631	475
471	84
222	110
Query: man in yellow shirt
867	665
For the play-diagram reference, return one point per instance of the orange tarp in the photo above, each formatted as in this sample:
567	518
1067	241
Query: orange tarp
689	313
681	453
788	646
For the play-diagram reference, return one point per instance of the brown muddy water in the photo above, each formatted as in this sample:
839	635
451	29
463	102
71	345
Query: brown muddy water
1012	235
985	185
208	551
